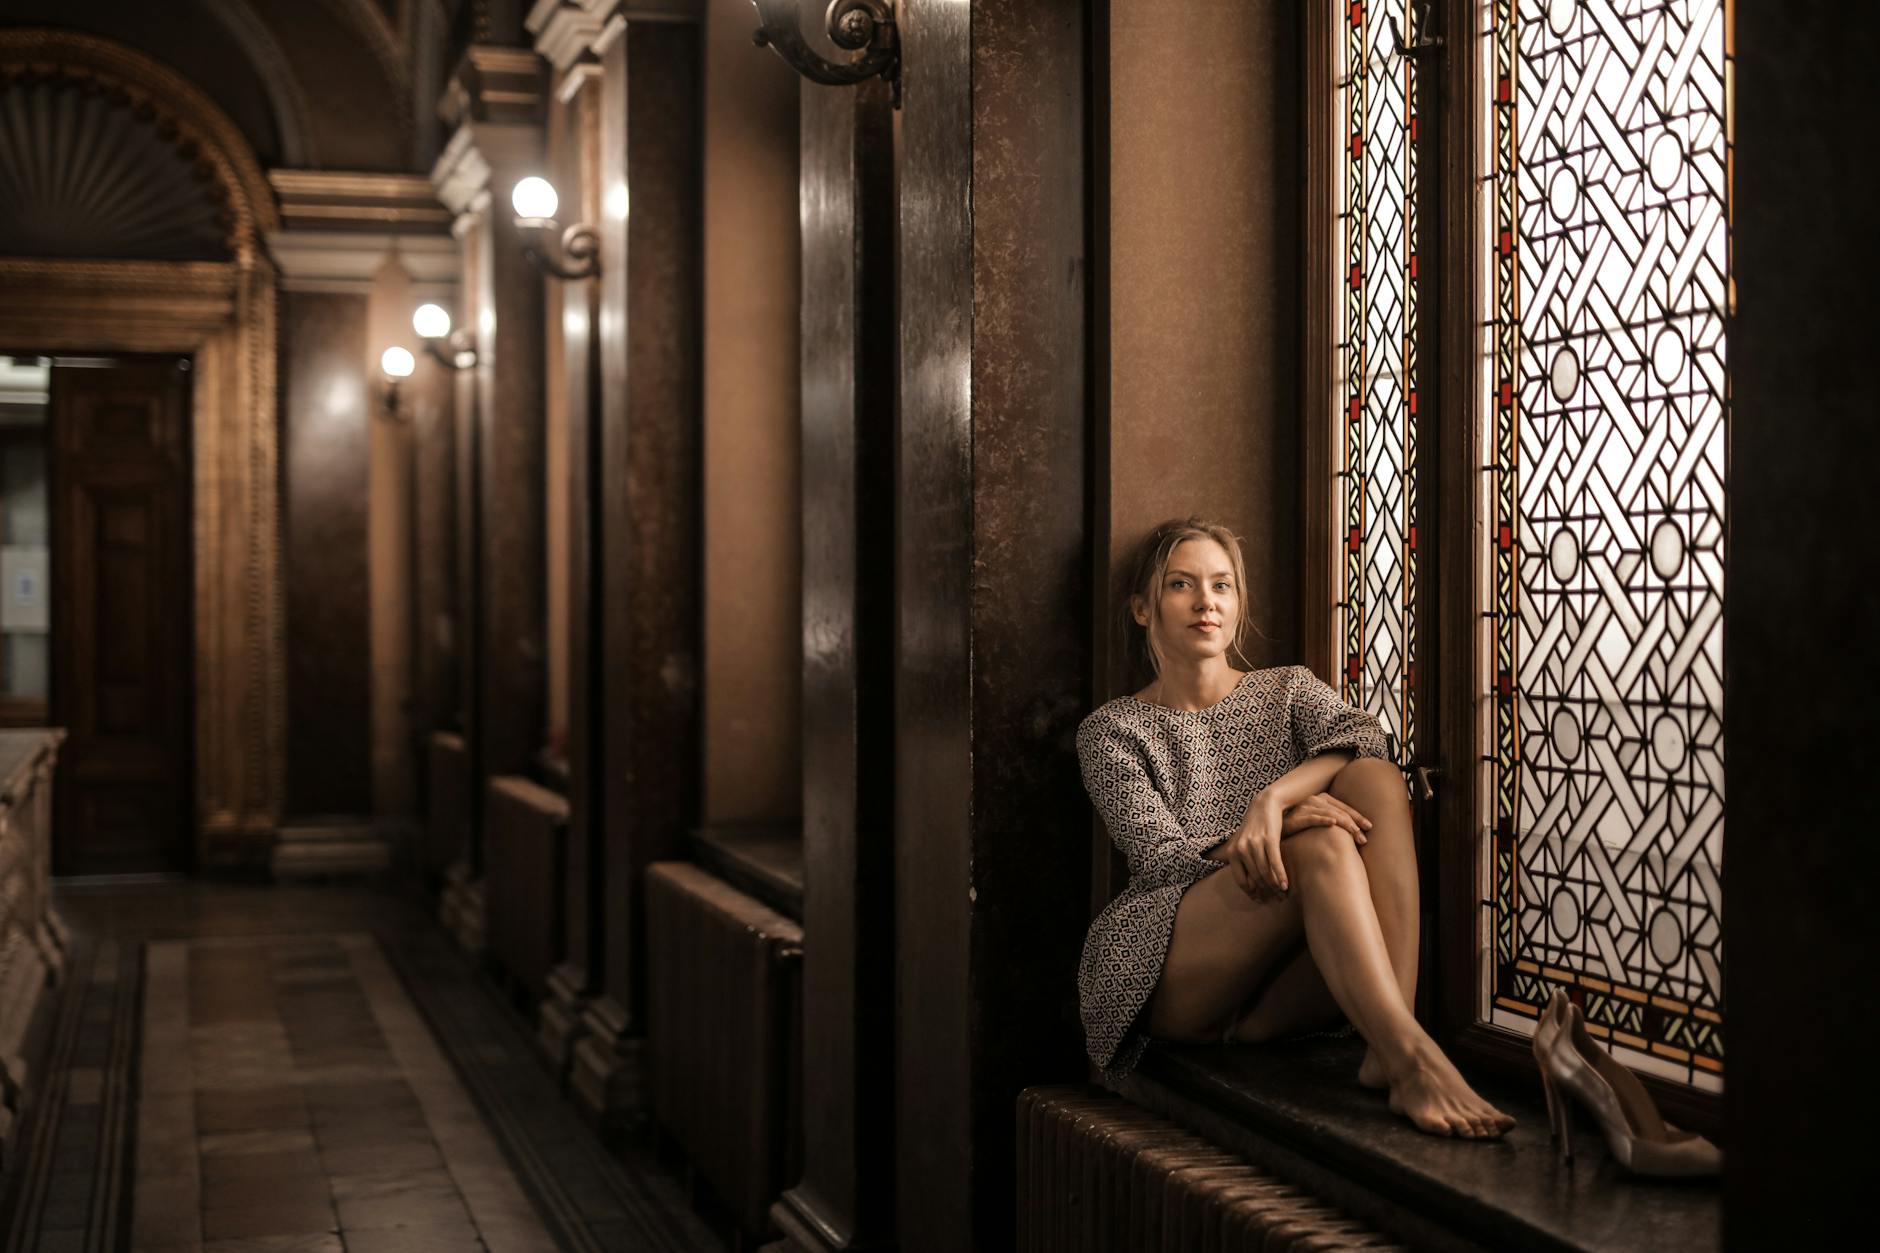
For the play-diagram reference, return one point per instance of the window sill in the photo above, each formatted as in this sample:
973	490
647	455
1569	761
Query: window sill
766	862
1296	1110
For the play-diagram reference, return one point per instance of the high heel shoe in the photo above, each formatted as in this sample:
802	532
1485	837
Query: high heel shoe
1573	1068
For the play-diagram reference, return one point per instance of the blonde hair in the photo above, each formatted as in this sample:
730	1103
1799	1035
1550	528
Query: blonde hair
1147	569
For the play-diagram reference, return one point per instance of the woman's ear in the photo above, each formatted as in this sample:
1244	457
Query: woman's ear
1139	610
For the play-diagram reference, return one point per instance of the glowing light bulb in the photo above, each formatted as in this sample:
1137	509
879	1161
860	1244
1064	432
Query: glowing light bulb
431	322
534	198
398	363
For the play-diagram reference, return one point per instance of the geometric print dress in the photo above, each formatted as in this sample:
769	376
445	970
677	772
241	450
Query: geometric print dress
1171	784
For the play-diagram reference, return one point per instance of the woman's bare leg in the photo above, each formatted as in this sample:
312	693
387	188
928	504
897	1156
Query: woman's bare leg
1296	998
1375	789
1227	945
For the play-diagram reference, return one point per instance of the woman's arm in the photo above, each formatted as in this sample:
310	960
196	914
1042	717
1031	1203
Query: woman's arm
1134	812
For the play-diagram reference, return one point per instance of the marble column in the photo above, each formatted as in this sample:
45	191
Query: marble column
993	557
649	614
845	1198
496	100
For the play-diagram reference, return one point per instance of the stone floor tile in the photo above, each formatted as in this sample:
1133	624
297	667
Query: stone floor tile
278	1141
265	1190
447	1238
69	1241
166	1209
527	1238
276	1165
369	1201
326	1242
301	1218
413	1156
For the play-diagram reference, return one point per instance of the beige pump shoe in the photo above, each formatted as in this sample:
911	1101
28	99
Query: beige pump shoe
1573	1068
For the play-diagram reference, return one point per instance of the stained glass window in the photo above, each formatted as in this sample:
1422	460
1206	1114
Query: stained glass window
1376	448
1606	251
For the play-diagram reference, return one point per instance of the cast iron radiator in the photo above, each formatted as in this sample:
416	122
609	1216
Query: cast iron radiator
1098	1173
525	838
447	796
723	987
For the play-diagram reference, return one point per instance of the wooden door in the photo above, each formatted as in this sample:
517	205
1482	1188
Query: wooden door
121	673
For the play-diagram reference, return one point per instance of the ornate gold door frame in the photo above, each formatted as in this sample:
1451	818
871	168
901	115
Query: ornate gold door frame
223	315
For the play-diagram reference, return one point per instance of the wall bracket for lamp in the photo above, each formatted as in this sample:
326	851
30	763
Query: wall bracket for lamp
863	27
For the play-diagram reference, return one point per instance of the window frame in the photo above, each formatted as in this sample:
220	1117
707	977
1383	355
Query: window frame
1451	147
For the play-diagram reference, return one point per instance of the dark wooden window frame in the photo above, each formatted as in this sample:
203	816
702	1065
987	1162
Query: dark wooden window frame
1450	147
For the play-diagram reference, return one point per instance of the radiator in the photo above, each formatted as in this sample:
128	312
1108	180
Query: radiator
447	797
1098	1173
525	838
723	1019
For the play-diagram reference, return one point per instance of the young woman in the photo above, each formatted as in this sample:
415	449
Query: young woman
1272	870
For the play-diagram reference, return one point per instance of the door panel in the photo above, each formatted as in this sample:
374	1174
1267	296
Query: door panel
121	672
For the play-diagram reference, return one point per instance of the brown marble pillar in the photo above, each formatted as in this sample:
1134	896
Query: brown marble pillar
845	1199
650	611
993	594
496	101
575	978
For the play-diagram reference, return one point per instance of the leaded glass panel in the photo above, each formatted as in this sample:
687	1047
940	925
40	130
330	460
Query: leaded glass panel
1607	261
1375	494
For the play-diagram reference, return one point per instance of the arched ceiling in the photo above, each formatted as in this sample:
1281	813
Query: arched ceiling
320	84
86	174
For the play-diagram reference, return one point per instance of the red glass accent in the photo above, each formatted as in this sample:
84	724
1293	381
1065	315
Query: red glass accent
1504	685
1507	242
1356	539
1504	90
1357	277
1413	128
1413	403
1507	395
1356	405
1352	667
1504	538
1357	12
1413	539
1413	265
1357	145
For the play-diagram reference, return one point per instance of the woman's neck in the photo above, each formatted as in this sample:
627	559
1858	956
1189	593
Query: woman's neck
1192	685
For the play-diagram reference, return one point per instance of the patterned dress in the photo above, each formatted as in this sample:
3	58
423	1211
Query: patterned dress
1170	785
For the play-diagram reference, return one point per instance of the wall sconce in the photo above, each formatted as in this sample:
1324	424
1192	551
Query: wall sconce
432	323
864	27
535	202
397	364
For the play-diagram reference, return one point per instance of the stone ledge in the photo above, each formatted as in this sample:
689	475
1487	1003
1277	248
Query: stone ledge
1296	1109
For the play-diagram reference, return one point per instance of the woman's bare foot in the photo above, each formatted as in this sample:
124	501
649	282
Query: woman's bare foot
1371	1071
1433	1095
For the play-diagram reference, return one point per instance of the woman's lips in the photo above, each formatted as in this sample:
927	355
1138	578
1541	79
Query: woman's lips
1205	627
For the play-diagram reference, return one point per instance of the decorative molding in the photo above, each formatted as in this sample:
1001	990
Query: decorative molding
223	315
204	132
327	200
490	84
564	30
345	261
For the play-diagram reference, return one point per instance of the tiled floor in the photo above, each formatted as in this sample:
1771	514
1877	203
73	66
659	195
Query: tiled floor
235	1069
290	1092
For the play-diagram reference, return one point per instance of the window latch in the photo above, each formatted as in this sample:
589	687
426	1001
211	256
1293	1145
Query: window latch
1424	43
1424	775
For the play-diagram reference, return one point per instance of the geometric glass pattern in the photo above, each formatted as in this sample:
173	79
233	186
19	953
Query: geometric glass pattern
1374	493
1607	248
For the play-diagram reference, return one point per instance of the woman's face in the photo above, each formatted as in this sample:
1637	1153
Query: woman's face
1198	605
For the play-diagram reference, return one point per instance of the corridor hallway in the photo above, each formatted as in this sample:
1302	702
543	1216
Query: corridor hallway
237	1069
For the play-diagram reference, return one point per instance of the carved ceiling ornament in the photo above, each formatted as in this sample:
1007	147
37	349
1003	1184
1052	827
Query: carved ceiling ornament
223	315
201	132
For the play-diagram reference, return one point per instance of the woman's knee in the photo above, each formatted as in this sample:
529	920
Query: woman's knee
1318	848
1372	778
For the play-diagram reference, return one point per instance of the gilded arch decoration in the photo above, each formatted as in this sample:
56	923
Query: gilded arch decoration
223	314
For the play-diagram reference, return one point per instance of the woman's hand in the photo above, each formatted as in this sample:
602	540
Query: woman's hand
1325	810
1252	851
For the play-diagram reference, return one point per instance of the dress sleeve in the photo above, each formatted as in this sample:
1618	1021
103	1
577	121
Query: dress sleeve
1137	816
1322	722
